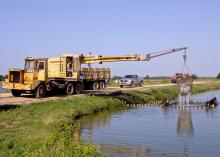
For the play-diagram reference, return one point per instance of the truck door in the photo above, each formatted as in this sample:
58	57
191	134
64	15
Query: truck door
76	68
41	70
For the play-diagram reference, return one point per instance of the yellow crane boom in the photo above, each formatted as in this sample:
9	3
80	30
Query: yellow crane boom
42	75
100	59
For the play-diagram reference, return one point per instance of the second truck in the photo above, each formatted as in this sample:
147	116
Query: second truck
132	81
42	75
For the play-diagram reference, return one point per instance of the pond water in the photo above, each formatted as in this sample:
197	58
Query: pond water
155	131
1	89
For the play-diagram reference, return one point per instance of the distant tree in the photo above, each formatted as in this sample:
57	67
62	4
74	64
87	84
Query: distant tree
194	76
160	77
116	77
147	77
218	76
1	77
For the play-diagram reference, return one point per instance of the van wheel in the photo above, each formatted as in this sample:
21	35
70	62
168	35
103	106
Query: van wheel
79	88
141	84
16	93
40	91
70	89
95	86
132	85
102	85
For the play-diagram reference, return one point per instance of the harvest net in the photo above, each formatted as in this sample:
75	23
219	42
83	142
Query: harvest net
184	85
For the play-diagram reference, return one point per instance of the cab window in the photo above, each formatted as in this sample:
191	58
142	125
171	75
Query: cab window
41	66
29	66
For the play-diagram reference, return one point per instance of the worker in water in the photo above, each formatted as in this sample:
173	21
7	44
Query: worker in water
69	68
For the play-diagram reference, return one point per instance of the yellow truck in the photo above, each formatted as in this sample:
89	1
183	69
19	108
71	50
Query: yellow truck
41	75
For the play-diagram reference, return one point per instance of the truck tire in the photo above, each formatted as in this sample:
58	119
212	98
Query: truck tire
95	86
102	85
16	93
69	89
79	88
40	92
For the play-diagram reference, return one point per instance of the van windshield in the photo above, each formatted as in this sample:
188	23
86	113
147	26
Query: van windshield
129	76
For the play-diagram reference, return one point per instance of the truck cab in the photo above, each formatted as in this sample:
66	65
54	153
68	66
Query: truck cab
27	79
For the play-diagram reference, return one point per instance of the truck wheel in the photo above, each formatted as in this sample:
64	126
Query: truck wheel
16	93
79	88
102	85
70	89
121	86
95	86
40	91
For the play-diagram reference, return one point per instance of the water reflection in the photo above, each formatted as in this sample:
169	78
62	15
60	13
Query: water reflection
186	151
3	90
184	121
154	131
101	119
124	150
185	124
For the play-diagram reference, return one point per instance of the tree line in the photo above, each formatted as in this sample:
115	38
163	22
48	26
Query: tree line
194	76
3	77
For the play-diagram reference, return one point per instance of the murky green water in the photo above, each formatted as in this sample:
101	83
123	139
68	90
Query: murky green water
154	131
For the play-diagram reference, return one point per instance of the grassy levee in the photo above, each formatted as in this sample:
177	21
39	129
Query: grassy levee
50	128
212	85
46	129
163	81
162	93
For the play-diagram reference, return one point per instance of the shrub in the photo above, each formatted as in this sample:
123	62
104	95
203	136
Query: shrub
218	76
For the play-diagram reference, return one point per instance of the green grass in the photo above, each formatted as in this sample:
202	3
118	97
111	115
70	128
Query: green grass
52	128
156	81
158	94
46	129
212	85
164	81
148	96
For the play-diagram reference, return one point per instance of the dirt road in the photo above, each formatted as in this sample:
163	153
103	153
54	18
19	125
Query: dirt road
8	99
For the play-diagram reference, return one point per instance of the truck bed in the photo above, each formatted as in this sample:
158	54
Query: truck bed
94	74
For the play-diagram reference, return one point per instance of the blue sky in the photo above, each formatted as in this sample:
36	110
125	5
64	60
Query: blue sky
47	28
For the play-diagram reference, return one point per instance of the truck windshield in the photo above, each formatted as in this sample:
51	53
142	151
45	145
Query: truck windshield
29	66
129	76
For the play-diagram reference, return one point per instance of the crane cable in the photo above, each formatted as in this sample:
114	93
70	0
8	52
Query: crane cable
185	68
